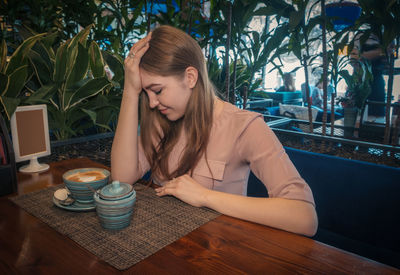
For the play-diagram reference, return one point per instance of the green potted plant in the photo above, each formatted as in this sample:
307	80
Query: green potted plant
299	22
76	73
358	88
14	75
70	78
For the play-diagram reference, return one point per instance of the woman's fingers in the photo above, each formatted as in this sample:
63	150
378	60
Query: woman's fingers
186	189
140	47
141	43
162	191
136	57
167	189
141	51
132	72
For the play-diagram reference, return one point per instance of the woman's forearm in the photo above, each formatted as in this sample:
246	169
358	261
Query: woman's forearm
290	215
124	152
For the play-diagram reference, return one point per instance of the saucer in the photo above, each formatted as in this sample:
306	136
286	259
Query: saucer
75	206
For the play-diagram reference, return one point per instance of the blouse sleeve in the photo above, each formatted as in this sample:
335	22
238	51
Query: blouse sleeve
268	160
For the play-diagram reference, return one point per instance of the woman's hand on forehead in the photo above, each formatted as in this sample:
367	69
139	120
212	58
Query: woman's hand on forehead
132	61
139	48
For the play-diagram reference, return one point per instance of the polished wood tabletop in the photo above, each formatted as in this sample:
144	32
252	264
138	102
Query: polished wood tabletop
223	245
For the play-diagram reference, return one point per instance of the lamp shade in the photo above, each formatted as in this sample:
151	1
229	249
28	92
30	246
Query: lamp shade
343	14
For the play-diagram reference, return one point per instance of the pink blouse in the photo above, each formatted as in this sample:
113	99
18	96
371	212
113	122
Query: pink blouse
240	140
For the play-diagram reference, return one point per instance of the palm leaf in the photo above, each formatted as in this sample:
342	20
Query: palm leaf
79	68
3	55
93	117
42	95
19	56
16	82
4	81
96	60
10	105
91	88
60	67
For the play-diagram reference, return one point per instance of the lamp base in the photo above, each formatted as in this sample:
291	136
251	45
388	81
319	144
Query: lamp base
34	167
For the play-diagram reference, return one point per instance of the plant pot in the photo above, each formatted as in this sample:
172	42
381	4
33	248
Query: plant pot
350	116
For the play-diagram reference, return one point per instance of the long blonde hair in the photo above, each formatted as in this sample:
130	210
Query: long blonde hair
171	51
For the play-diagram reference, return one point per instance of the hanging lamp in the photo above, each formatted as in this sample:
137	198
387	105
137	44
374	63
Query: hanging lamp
343	13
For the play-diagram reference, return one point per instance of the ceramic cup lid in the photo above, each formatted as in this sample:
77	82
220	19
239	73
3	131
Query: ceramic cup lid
116	191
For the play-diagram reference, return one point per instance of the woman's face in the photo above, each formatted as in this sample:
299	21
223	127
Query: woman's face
169	94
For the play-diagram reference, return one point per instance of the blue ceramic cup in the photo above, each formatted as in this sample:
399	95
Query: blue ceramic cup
83	182
114	205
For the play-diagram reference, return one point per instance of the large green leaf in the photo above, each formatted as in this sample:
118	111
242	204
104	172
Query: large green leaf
79	67
45	52
75	116
96	60
56	120
91	88
93	117
18	57
4	80
40	68
17	81
279	7
9	105
116	64
68	93
73	48
296	18
81	37
347	78
48	42
3	55
42	95
72	53
276	40
77	120
60	68
106	108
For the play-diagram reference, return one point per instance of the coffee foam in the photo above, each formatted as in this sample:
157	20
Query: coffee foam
87	176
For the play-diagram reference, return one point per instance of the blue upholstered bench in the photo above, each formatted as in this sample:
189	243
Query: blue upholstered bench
294	98
275	112
358	203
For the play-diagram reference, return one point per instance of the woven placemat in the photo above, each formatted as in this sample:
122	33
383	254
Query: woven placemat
156	222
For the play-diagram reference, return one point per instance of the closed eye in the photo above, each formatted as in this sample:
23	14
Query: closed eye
158	92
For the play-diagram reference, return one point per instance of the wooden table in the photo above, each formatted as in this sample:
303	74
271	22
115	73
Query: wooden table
224	245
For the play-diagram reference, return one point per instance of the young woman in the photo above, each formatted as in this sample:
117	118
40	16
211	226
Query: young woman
288	83
199	148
